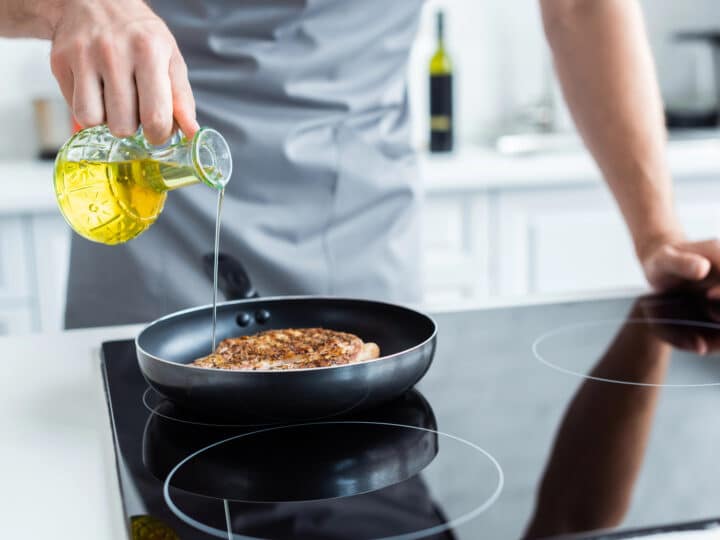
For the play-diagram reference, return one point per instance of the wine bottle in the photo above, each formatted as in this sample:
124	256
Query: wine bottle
441	94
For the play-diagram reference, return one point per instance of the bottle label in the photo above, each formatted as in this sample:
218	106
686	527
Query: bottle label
441	113
440	123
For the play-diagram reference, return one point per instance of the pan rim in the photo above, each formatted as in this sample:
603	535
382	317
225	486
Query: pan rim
430	338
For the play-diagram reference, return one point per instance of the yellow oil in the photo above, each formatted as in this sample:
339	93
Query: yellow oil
113	202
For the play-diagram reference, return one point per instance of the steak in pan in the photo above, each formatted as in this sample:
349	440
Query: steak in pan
291	348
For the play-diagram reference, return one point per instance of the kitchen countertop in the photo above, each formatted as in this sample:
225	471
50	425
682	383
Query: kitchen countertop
57	466
477	168
57	461
471	168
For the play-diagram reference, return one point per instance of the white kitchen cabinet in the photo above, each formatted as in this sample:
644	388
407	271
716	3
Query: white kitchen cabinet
562	241
574	240
51	244
546	223
34	252
18	319
455	247
699	208
14	258
17	313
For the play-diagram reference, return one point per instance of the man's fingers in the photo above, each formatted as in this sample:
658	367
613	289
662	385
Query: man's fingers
155	100
121	105
682	264
63	75
183	102
128	74
152	77
710	249
87	101
60	64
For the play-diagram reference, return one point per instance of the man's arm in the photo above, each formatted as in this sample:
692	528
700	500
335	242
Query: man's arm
116	62
603	60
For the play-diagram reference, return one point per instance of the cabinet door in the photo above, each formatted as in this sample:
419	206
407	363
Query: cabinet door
574	240
455	244
562	241
51	253
698	205
15	319
14	250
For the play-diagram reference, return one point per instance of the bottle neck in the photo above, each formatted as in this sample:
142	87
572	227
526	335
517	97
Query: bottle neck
440	62
206	158
175	166
440	29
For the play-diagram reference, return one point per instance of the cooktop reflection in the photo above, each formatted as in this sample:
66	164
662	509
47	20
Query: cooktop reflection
594	419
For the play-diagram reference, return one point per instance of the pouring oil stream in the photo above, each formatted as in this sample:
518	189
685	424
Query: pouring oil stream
221	196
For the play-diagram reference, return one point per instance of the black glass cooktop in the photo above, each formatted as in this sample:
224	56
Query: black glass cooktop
597	419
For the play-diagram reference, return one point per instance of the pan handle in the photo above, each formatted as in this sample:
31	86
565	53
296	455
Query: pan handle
233	280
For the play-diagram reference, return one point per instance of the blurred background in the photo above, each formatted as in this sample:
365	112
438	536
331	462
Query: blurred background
502	68
516	210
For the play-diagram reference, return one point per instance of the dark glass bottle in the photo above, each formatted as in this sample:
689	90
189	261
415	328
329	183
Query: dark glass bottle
441	94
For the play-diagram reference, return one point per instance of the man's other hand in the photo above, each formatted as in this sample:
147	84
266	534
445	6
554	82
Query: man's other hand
677	265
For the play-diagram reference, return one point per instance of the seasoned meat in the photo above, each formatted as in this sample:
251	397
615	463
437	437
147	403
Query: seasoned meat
292	348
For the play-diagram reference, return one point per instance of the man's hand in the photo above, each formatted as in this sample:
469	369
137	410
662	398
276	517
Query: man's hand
672	265
117	63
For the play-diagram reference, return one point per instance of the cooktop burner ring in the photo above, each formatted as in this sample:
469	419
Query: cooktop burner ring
619	323
448	525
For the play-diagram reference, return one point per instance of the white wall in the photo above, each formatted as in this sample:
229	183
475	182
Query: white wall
681	65
502	59
25	75
498	48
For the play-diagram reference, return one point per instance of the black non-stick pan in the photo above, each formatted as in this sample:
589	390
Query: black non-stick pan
165	348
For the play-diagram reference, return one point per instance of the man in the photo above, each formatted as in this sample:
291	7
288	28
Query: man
311	96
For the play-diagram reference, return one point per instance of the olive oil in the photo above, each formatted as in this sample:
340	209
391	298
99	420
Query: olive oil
113	202
221	196
111	189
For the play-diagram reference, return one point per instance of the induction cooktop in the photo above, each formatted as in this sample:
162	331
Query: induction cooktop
587	419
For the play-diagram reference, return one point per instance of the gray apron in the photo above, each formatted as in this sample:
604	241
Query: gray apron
311	96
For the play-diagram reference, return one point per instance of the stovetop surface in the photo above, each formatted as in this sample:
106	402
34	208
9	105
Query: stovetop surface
593	418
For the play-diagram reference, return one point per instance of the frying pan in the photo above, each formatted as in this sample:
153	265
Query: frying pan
406	338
